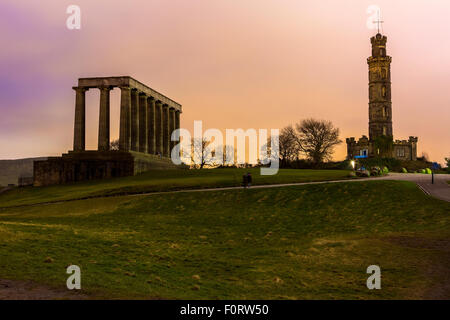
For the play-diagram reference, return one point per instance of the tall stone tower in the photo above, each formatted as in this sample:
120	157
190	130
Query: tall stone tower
380	110
380	105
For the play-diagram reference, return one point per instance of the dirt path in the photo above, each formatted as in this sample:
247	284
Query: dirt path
436	271
27	290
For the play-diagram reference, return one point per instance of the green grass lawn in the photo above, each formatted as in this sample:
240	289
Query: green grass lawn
294	242
161	180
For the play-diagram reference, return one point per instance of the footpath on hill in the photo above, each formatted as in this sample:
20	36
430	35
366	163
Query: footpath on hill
440	189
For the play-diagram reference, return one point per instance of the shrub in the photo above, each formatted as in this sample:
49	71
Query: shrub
385	170
404	170
343	165
392	163
375	171
413	166
428	171
363	173
395	165
423	171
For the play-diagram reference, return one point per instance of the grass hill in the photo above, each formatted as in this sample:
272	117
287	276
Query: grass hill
11	170
295	242
160	181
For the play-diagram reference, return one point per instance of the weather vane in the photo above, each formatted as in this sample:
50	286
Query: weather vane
378	22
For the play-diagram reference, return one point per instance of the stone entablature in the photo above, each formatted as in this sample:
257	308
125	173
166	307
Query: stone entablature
127	81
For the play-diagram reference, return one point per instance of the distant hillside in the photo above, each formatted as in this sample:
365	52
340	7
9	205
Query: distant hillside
11	170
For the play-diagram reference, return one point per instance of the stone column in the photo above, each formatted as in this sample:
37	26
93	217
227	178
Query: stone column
125	105
143	123
171	129
159	128
166	131
151	126
104	120
134	120
177	119
177	124
79	132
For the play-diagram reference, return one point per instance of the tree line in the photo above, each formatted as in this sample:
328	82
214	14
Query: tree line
308	140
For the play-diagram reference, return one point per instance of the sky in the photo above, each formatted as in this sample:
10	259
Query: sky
232	64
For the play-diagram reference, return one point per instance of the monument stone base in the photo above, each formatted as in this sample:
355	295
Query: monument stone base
93	165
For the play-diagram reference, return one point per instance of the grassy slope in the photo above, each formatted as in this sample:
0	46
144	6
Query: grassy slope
161	180
293	242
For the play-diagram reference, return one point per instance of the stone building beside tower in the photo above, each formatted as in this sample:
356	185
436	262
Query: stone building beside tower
380	110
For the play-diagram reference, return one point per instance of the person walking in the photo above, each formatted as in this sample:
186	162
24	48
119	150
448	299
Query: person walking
245	180
249	179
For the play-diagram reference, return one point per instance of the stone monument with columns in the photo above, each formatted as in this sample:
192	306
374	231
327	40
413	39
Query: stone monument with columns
147	120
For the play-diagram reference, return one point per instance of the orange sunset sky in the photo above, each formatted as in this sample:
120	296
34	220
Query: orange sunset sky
233	64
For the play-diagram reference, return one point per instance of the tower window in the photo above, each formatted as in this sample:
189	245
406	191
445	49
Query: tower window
384	131
383	91
400	152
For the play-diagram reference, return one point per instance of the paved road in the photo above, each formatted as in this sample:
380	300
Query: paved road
440	189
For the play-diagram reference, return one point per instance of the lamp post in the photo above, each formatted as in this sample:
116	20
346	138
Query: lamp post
434	168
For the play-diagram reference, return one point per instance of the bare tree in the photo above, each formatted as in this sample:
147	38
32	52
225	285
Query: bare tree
317	139
228	155
201	152
288	147
270	151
